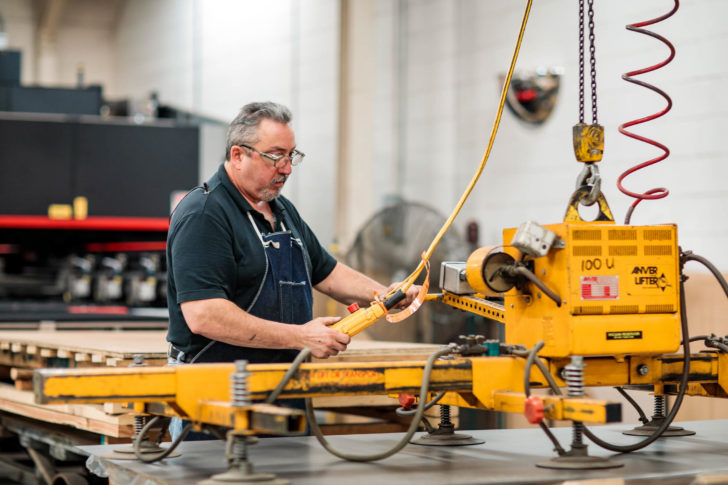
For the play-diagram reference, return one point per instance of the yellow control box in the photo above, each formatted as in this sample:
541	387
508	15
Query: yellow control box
619	287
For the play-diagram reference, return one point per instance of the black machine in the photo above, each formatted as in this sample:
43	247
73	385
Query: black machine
85	202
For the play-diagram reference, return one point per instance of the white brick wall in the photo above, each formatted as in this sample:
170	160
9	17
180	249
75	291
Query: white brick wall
84	39
213	57
457	49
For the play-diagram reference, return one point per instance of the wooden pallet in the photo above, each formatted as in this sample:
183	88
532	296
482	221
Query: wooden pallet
23	351
41	349
87	417
86	348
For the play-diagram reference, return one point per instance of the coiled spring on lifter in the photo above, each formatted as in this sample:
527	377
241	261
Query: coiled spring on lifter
574	376
240	394
659	192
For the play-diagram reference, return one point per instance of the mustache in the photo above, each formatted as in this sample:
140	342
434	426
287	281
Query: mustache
280	179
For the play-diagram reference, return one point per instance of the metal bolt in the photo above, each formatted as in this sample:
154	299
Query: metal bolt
643	370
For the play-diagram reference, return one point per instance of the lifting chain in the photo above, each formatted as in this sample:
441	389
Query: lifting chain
588	139
592	62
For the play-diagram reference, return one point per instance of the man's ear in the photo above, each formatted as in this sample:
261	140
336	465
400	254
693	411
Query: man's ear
236	155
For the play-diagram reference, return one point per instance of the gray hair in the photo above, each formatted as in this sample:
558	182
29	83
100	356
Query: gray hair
244	128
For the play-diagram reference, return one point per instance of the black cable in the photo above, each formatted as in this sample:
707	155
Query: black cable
678	401
542	367
690	256
525	272
686	256
529	363
162	431
711	341
405	439
216	431
163	454
390	302
530	360
716	344
698	337
643	417
557	446
428	427
300	358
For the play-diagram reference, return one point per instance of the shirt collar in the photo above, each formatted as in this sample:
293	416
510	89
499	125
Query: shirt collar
241	201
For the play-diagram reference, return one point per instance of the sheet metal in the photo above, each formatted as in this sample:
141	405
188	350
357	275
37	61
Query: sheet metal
506	457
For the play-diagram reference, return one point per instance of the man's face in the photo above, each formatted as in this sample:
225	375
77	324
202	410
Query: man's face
257	177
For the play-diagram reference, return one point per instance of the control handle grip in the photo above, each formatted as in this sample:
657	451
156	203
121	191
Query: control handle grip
365	317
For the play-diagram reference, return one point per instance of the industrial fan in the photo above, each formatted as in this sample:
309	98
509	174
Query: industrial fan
388	247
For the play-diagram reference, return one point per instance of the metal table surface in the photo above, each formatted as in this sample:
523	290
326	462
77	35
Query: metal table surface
508	456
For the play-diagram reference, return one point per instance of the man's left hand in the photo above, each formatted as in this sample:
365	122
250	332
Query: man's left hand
410	295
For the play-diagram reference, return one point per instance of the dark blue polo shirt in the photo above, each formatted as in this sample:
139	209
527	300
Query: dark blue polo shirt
213	252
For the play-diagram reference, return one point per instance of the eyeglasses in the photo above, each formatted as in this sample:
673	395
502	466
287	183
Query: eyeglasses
295	157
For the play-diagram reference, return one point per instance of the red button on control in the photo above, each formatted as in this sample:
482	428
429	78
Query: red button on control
353	307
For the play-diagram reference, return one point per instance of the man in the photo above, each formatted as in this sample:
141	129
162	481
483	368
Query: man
242	263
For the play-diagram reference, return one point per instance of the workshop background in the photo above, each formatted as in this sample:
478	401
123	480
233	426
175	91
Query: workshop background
394	100
397	98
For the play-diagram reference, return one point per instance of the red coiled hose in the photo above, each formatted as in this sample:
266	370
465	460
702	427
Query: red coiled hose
660	192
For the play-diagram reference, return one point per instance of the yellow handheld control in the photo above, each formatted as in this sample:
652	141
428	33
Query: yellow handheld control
364	317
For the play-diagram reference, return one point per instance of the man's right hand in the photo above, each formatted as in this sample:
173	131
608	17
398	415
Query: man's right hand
323	341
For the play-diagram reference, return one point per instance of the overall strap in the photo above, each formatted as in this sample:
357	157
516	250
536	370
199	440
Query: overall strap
260	236
285	218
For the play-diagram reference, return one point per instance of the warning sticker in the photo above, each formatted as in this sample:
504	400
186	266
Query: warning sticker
628	335
599	287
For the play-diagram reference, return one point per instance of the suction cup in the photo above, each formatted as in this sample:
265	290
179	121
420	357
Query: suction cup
650	428
579	463
577	458
128	453
446	439
239	476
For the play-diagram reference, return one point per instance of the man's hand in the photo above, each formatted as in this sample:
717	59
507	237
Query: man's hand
410	295
323	341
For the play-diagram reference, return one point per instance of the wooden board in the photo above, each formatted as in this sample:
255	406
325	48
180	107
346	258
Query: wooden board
360	350
707	309
84	348
88	417
21	349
